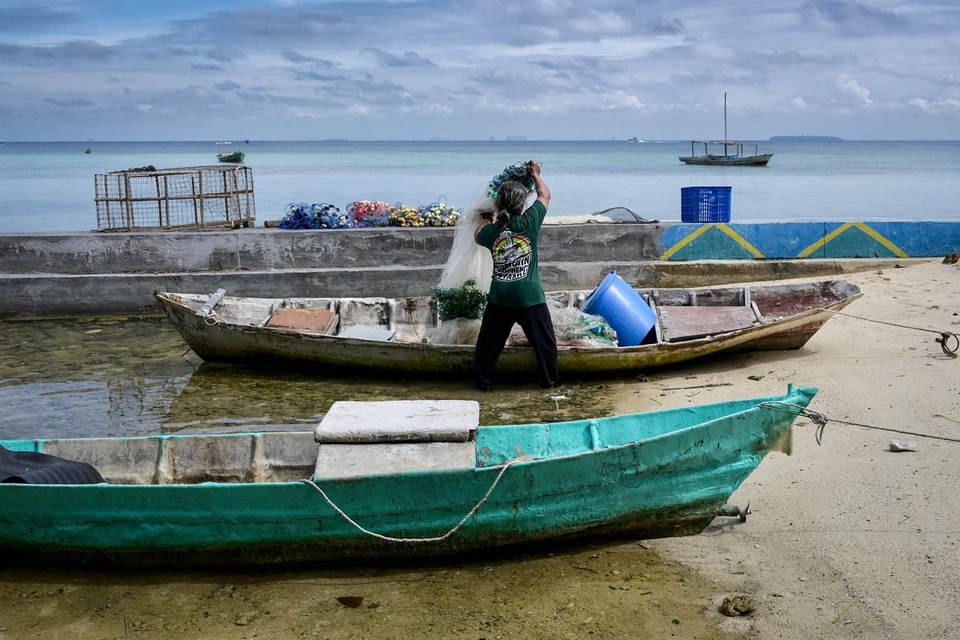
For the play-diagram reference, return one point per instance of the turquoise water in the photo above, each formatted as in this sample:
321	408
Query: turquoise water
49	186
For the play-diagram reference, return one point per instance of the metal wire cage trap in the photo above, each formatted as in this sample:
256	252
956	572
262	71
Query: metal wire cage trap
185	198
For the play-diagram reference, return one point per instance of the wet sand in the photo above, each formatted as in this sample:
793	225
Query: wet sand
600	591
834	523
849	518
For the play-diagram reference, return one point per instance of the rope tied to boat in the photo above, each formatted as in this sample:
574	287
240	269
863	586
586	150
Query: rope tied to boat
212	318
460	524
944	339
821	421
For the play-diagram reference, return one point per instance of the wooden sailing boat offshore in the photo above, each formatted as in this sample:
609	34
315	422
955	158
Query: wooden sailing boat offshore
733	154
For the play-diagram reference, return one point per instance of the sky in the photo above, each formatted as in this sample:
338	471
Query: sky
471	69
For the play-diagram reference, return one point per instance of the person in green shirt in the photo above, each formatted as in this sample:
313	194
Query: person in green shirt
516	293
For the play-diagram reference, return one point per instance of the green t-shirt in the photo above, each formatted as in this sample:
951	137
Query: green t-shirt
516	274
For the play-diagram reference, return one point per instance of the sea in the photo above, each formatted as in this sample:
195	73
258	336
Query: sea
49	186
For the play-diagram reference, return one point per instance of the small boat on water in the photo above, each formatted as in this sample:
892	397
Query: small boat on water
395	335
425	482
733	152
229	156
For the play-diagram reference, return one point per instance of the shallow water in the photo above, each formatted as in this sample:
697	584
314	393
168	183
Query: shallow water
131	376
602	590
116	376
48	186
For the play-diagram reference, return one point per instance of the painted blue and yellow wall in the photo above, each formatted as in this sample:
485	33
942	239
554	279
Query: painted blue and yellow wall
788	240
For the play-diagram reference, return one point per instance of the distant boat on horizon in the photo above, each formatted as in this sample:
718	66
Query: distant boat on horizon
736	159
229	156
635	139
89	146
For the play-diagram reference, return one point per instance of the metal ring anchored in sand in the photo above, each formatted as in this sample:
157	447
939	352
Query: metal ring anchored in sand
948	341
821	421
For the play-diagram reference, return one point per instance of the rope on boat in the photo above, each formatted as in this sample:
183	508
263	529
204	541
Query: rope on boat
943	340
476	507
212	318
821	421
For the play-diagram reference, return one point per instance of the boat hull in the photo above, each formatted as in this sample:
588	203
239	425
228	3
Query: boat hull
722	161
235	157
222	341
672	480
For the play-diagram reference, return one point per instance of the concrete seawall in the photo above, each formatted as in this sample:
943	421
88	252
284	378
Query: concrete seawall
102	273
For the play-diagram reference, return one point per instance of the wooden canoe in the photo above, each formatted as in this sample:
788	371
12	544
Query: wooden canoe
256	497
691	323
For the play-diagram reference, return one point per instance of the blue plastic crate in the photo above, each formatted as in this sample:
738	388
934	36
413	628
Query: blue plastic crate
705	204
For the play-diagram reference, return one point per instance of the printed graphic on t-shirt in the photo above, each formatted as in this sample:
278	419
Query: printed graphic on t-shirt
512	254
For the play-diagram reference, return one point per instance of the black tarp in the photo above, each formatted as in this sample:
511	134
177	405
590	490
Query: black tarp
27	467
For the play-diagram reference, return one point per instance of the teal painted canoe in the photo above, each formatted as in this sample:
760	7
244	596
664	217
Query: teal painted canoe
254	498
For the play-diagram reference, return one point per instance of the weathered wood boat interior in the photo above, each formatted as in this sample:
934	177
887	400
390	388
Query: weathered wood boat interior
683	314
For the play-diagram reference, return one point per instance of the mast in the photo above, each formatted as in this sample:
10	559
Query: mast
724	123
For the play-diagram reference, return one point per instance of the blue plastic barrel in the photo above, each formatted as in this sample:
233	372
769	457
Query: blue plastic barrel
622	307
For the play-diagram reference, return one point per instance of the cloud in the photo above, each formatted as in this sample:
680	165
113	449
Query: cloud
317	76
32	18
948	81
71	51
226	54
556	67
276	24
795	58
850	85
720	77
937	106
409	59
847	17
69	104
293	56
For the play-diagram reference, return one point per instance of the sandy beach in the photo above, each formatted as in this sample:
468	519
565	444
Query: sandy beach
845	522
849	519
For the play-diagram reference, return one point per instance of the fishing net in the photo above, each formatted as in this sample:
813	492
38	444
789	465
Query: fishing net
457	331
437	214
517	172
465	301
467	259
622	214
314	216
573	328
404	216
369	213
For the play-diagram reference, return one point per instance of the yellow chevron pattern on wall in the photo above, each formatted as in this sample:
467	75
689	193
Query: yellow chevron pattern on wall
836	233
739	239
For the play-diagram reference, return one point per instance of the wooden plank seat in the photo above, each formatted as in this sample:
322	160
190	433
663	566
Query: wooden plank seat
688	323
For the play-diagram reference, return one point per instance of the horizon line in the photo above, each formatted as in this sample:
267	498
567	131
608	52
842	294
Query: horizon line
644	141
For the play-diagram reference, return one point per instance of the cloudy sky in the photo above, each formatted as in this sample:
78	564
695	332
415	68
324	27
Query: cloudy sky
469	69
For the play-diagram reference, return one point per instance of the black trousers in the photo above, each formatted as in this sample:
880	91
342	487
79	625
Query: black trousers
498	320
